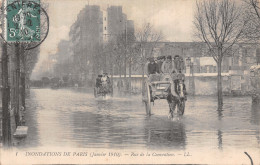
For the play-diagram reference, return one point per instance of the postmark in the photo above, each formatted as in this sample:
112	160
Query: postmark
23	21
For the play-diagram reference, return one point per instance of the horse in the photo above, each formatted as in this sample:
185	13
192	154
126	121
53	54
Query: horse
177	97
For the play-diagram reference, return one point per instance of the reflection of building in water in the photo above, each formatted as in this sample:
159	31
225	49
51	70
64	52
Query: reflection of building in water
166	134
255	119
255	114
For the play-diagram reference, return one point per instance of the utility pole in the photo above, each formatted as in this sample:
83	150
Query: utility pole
126	84
192	83
23	76
17	84
6	121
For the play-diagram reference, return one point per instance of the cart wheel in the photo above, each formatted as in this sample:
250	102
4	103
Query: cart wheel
95	92
181	106
147	99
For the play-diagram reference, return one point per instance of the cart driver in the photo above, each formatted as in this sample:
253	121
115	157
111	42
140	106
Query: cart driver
152	67
98	81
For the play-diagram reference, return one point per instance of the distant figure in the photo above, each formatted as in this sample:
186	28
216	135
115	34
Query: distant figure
146	66
152	67
60	83
120	85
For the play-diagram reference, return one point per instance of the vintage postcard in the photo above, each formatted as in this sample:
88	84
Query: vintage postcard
130	82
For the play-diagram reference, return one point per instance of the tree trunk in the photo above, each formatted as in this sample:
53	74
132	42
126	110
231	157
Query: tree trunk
219	85
143	87
6	122
120	78
17	83
23	90
125	79
23	77
130	76
112	75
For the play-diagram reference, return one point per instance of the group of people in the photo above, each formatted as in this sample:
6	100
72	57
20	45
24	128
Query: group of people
102	79
165	65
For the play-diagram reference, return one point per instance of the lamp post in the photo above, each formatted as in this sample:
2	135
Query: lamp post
125	58
191	76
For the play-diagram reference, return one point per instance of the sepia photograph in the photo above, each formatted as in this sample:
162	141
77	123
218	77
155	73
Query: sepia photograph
129	82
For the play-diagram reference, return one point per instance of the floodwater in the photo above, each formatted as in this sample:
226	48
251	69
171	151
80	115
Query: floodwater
74	118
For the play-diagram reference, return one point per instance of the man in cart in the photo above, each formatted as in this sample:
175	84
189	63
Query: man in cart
168	66
179	64
152	67
160	61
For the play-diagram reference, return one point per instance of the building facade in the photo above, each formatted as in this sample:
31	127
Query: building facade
89	35
86	37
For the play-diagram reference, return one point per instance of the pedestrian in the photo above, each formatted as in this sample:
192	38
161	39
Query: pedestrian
120	85
146	66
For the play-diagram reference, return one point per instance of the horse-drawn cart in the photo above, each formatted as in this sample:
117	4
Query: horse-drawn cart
165	86
103	88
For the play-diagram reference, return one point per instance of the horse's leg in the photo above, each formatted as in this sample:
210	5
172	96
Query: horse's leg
172	104
169	100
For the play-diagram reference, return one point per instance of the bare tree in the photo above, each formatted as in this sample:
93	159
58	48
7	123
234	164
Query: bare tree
253	6
219	24
147	39
252	17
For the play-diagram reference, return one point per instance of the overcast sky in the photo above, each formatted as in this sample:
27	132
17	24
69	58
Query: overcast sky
173	17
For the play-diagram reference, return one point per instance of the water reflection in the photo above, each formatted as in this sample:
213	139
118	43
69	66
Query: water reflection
255	118
255	113
75	118
163	133
220	139
220	134
220	112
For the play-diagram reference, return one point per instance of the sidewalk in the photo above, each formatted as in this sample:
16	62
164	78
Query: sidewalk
1	126
15	141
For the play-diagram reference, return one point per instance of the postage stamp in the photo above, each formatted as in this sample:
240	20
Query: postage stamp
23	20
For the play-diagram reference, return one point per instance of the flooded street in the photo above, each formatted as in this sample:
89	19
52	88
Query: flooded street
74	118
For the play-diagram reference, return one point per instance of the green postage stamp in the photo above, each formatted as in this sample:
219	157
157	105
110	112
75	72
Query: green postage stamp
23	20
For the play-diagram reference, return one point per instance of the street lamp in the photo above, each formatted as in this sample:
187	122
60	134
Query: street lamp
188	61
191	76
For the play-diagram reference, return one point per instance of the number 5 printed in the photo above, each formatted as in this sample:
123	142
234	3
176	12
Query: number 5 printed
12	32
